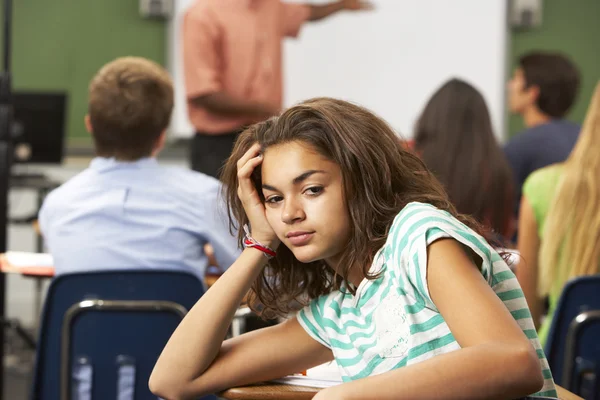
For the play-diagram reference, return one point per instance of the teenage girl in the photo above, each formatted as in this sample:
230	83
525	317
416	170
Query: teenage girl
405	294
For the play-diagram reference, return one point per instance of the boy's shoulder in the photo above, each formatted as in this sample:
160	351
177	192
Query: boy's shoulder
70	187
190	181
535	134
169	178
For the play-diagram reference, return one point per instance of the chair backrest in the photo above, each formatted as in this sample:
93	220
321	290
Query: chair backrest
573	347
119	323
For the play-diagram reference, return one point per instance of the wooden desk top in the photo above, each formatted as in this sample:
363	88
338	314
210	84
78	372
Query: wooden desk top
275	391
270	391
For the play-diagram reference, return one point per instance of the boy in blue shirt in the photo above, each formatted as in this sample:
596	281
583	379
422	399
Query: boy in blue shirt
542	90
125	211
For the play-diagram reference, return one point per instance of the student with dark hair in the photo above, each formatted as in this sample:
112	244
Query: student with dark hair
403	292
543	88
455	139
125	210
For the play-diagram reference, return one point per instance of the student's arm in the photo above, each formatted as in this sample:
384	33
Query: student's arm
527	270
196	361
496	360
293	15
318	12
214	227
44	218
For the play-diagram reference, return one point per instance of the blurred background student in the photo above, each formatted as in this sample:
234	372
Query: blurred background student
542	90
455	139
559	225
126	211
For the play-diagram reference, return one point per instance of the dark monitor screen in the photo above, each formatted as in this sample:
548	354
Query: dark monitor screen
39	127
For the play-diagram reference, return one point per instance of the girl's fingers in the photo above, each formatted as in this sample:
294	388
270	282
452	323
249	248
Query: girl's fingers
244	173
251	153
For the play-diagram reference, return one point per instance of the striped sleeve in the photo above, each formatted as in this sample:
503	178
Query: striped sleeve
418	226
312	320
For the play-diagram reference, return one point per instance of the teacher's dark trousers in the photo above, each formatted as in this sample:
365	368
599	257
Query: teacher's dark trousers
209	152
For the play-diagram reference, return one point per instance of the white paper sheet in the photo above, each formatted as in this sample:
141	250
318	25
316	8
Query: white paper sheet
24	259
321	376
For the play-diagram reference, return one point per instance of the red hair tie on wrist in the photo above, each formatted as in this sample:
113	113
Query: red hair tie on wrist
249	241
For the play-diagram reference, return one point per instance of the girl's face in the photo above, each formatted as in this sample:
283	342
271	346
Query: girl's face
304	202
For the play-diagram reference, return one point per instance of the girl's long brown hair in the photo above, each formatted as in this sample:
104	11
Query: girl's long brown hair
380	177
455	139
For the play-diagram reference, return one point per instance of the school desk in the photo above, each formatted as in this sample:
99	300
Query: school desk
274	391
270	391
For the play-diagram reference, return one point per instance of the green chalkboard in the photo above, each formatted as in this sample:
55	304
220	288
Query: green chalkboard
59	45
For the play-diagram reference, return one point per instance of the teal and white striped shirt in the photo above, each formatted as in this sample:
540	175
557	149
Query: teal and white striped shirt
392	321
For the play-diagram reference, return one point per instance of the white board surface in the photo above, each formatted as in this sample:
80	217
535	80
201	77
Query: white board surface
389	60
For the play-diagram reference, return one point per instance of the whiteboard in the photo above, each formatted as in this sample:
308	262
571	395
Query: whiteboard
390	59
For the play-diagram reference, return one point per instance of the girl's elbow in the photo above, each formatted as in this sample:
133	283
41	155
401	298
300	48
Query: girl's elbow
163	387
527	369
169	387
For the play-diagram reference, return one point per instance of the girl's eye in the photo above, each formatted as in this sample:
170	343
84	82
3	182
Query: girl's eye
273	199
314	191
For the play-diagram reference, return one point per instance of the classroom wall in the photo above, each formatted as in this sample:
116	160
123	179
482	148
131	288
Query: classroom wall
572	29
60	44
390	59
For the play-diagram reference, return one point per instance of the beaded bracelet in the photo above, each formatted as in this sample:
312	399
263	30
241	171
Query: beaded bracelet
249	241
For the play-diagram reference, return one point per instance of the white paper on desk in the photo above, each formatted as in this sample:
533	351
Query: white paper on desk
321	376
25	259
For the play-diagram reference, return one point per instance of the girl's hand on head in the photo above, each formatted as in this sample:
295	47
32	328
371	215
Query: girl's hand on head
248	194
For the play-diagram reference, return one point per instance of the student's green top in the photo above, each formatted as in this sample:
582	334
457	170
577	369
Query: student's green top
392	321
540	189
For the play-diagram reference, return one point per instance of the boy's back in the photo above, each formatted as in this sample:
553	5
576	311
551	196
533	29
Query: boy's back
136	215
540	146
125	211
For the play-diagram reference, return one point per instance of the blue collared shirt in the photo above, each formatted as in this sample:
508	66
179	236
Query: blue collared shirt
136	215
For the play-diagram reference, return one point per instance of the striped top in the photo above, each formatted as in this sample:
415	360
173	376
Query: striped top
392	321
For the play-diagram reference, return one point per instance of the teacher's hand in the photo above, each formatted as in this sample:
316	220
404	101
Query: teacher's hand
357	5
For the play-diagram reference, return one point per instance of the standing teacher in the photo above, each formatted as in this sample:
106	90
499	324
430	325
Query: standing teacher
232	63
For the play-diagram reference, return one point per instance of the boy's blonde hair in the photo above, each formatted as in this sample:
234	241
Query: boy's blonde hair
130	105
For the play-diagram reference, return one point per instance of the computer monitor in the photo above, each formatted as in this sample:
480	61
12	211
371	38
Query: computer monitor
39	126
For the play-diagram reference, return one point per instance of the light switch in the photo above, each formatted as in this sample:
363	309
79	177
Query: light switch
525	14
156	8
